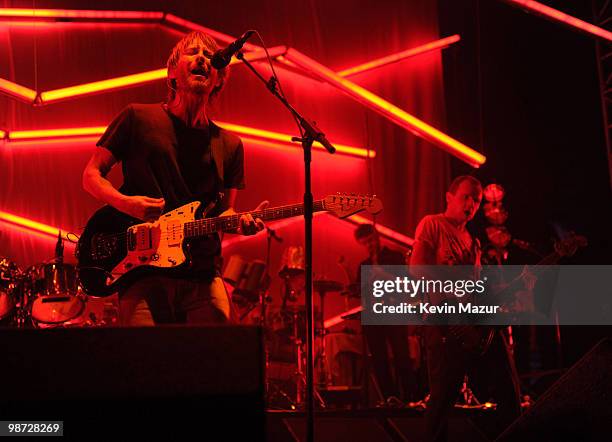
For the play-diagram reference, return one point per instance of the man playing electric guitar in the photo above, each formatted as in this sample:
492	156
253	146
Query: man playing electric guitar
443	239
171	155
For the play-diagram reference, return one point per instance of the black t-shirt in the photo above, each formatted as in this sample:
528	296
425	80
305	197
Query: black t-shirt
162	157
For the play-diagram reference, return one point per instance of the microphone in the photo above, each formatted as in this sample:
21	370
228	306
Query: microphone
59	249
222	57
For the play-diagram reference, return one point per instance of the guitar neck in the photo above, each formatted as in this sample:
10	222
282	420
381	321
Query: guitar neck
230	223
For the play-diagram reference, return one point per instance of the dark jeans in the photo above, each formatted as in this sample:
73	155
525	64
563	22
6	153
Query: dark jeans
492	377
163	300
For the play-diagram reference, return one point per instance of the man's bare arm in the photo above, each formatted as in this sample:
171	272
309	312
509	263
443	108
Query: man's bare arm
95	182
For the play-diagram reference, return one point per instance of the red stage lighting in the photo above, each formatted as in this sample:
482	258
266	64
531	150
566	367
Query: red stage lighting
100	86
55	133
79	15
32	225
384	231
561	17
388	110
134	79
17	91
335	320
191	26
393	58
285	138
275	137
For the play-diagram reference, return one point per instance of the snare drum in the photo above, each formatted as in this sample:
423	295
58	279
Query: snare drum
55	295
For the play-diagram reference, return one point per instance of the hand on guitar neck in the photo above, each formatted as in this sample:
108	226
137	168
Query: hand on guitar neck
248	225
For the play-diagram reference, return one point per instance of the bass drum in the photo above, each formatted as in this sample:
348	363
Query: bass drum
55	295
9	275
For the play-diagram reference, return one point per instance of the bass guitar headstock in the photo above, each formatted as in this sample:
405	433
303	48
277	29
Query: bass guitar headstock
345	204
569	245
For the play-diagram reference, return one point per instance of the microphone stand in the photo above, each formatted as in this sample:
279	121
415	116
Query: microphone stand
310	135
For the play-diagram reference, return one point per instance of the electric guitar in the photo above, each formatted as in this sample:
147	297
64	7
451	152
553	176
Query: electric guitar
116	248
476	339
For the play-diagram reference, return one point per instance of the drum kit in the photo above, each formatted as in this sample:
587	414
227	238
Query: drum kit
44	295
285	324
47	295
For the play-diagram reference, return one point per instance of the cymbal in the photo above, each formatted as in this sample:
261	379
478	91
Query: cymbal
290	272
327	285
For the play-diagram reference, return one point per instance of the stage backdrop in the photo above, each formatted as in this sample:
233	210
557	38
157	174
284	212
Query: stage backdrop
41	181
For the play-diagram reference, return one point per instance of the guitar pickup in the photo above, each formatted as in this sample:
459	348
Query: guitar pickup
140	238
174	233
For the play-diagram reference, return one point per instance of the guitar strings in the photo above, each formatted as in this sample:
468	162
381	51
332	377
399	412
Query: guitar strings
207	223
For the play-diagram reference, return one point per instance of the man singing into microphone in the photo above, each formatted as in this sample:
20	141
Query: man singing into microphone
172	154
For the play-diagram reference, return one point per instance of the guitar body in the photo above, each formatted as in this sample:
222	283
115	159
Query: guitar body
115	249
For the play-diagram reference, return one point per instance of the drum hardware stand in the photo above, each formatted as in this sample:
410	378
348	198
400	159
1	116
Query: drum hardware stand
299	375
469	400
368	374
264	298
301	381
21	312
324	375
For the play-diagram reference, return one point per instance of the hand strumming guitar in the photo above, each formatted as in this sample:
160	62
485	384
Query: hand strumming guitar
142	207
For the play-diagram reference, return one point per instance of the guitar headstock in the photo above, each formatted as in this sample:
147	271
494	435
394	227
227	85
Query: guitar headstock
345	204
569	245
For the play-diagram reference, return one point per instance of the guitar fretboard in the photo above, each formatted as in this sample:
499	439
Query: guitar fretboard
207	226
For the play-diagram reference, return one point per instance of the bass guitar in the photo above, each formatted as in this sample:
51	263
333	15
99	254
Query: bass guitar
476	339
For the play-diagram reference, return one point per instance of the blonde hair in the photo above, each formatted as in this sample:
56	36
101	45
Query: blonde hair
210	44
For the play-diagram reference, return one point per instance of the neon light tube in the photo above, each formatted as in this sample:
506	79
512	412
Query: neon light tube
103	85
32	225
394	58
561	17
181	22
17	91
388	110
79	14
55	133
238	129
384	231
285	138
134	79
335	320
